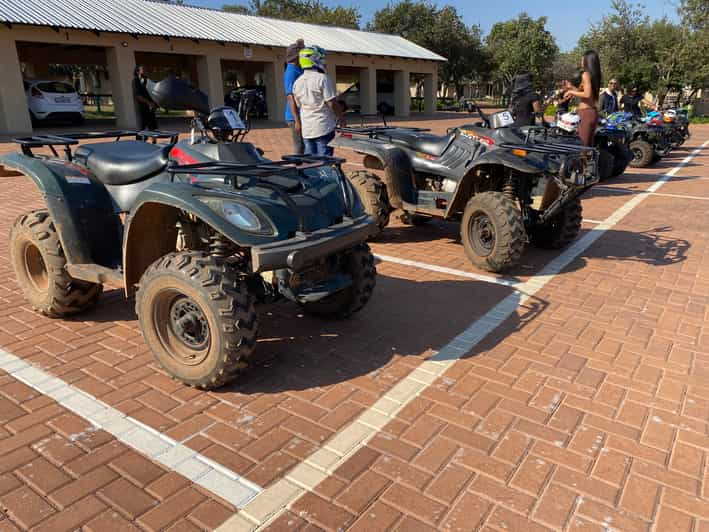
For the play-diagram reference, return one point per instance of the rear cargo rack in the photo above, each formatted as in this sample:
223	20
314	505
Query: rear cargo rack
72	139
373	131
230	171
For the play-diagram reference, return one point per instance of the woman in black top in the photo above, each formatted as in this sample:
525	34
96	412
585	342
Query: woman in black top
524	102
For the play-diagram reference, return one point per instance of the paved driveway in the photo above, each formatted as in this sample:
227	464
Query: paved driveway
568	394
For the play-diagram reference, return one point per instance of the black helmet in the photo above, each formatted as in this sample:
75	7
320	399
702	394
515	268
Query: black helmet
225	120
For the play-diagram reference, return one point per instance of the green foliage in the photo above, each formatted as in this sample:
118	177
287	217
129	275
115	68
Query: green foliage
523	44
657	55
440	30
313	11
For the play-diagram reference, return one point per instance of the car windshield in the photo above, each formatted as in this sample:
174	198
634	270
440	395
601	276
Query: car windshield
56	87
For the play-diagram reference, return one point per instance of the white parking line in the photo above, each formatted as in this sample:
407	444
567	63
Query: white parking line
590	221
270	503
146	440
647	191
450	271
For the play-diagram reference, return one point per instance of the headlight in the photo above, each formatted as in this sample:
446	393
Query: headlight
239	215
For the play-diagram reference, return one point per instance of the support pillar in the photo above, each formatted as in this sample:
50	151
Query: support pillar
430	88
14	115
120	63
402	93
275	91
368	90
210	80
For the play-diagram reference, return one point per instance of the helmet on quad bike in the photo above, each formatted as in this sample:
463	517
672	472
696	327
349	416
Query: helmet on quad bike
224	120
312	57
569	122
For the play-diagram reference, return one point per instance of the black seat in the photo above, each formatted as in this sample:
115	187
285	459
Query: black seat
123	162
423	142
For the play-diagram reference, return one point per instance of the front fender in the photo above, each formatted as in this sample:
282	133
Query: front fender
526	165
150	230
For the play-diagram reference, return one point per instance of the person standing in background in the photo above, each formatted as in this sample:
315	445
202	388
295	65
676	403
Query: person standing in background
632	100
146	105
290	75
609	98
525	103
587	94
314	93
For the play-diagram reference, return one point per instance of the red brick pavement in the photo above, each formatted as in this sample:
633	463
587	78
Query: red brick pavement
589	410
57	472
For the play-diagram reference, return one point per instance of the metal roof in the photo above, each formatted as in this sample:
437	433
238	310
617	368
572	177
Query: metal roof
143	17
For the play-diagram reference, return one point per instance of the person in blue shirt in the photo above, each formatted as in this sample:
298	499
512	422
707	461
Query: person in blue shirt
290	75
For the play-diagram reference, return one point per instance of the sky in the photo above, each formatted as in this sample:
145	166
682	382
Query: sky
567	19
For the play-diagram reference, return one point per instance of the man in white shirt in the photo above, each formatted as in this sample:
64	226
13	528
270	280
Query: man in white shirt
314	93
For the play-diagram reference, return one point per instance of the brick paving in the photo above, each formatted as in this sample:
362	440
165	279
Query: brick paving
587	409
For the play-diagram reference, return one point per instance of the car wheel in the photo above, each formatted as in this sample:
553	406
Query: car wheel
643	153
373	193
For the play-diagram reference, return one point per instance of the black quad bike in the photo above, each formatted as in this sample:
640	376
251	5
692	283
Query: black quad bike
199	230
648	142
504	191
613	145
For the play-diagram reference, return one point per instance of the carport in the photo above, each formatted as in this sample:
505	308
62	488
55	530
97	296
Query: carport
214	49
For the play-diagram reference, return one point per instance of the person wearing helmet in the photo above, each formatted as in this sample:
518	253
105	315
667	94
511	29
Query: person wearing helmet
525	103
314	94
290	75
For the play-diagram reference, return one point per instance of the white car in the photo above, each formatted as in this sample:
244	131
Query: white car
53	100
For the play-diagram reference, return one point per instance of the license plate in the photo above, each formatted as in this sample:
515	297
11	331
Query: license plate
62	99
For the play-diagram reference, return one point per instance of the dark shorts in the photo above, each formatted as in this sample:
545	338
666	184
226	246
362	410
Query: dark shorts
298	145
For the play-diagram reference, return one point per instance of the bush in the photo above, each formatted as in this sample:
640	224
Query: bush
550	110
699	120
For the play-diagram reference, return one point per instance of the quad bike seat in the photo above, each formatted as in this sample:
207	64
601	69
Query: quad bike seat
123	162
422	142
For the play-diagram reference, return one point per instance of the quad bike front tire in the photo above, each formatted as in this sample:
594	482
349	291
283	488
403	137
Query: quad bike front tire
359	263
373	193
197	317
562	230
492	231
621	158
643	154
606	160
39	262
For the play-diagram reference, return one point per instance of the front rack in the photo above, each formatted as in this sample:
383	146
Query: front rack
72	139
373	131
230	171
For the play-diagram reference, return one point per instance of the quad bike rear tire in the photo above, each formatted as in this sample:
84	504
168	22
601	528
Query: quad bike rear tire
197	317
39	262
492	231
643	153
359	263
606	160
561	231
373	193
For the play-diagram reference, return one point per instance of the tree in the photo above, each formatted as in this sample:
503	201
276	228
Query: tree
625	43
313	11
523	44
440	30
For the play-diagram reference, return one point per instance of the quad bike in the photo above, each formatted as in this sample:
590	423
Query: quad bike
613	144
503	191
198	230
649	142
676	124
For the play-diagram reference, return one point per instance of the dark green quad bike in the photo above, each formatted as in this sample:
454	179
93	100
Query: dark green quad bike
504	191
198	235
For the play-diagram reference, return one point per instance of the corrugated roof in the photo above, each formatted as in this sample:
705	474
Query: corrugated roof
144	17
